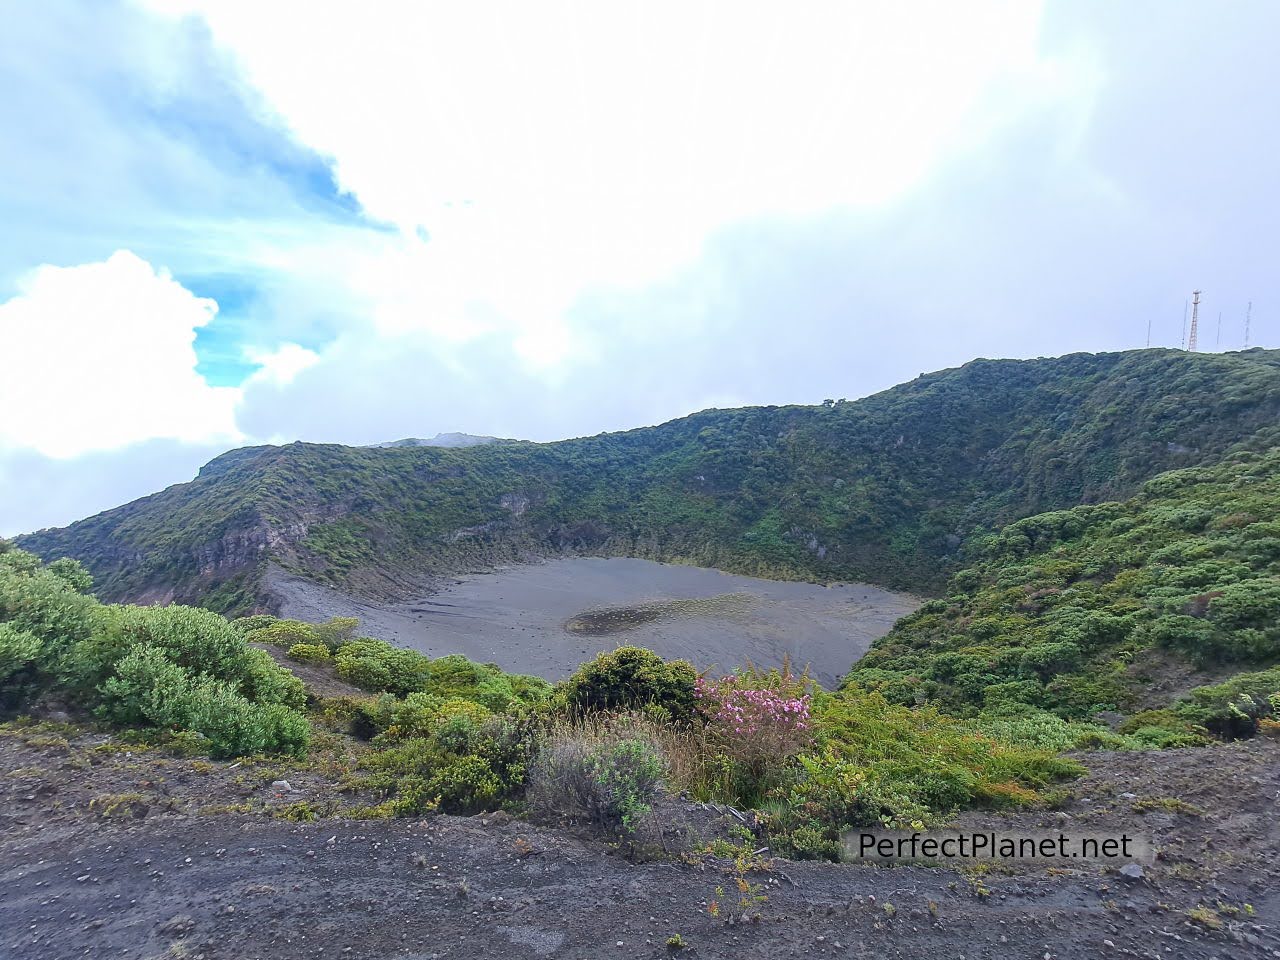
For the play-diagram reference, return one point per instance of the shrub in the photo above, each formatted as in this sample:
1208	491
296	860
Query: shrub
1025	726
309	653
1044	660
253	622
824	797
236	727
378	666
38	602
464	784
199	641
374	716
758	722
920	759
1233	708
265	681
631	678
282	633
529	690
72	573
150	690
605	774
174	668
1161	729
465	765
1013	693
147	689
335	631
344	715
420	714
18	651
456	676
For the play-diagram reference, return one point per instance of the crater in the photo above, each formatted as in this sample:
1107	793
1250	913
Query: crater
547	618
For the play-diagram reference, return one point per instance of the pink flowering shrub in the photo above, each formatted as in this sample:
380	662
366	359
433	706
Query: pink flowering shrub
758	721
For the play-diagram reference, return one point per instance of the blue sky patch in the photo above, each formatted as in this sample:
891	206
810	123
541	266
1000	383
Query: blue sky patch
220	343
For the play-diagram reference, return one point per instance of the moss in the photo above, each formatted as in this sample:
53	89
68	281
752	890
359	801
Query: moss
120	805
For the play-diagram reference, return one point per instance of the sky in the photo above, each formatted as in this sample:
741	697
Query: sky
231	223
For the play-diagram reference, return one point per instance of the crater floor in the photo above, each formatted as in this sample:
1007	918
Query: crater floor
546	618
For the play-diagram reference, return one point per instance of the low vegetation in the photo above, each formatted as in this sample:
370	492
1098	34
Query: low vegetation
178	669
1071	611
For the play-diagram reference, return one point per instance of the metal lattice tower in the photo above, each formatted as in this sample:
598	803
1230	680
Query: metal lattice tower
1195	320
1248	315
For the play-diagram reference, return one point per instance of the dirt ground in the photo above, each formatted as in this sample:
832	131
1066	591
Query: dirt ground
110	851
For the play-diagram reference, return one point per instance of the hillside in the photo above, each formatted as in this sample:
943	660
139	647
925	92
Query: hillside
891	489
1099	606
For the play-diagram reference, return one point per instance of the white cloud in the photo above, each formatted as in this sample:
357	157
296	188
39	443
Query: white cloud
281	365
551	149
101	355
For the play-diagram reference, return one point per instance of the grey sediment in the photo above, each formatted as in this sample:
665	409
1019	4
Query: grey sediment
547	617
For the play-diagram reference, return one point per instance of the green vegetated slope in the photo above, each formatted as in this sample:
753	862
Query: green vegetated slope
891	489
1074	611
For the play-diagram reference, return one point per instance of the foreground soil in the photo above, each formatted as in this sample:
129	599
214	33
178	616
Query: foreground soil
108	851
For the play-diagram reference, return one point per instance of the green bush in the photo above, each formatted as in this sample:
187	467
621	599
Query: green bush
309	653
1233	708
824	796
199	641
420	714
631	678
378	666
37	602
170	668
916	759
149	690
282	633
72	573
467	763
464	784
236	727
19	653
265	681
1161	729
254	622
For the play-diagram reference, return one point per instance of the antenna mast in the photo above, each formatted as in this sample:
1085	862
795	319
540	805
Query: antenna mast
1183	342
1247	316
1195	319
1217	341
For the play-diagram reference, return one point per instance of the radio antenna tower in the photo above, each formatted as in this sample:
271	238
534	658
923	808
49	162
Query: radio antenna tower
1195	320
1217	340
1247	316
1185	308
